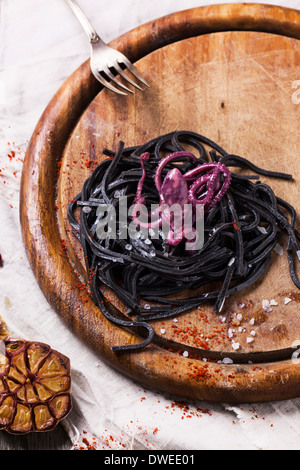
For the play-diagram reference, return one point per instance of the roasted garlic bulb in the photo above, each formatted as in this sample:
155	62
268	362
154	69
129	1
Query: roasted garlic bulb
35	385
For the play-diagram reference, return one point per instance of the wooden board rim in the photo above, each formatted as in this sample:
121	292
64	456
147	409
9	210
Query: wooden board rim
44	151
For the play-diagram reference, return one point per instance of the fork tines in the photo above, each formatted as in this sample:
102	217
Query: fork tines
107	76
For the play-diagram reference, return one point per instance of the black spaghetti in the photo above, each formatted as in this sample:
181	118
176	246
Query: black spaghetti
243	222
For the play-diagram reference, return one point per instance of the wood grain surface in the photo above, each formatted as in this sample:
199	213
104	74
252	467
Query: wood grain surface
226	72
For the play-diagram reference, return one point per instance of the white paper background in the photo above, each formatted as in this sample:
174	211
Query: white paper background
41	45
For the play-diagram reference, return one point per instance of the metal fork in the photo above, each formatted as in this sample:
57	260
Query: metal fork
106	62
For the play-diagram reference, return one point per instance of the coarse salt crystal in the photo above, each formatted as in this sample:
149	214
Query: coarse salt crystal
250	340
239	317
253	333
227	360
235	346
175	320
287	300
273	303
185	354
252	321
278	249
266	306
163	331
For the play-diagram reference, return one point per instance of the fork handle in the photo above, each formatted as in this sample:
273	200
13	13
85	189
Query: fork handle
83	20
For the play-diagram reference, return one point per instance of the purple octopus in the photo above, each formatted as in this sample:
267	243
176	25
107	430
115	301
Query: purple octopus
205	185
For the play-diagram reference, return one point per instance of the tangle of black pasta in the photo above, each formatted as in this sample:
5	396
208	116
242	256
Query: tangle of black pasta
241	231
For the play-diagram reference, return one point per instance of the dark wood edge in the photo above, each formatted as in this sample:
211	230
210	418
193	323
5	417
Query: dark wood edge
210	19
45	150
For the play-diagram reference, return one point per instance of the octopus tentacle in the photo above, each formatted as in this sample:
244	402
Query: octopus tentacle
206	188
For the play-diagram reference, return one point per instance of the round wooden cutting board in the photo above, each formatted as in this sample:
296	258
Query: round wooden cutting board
228	72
